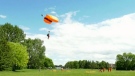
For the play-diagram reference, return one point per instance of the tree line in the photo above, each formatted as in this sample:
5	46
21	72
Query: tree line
125	61
86	64
17	52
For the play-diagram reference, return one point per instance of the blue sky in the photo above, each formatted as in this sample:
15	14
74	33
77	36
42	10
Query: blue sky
75	16
28	12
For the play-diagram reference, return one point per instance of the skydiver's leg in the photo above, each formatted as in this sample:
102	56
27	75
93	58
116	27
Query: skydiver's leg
48	36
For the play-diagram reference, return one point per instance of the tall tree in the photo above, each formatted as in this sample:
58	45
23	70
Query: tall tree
19	55
11	33
126	61
5	55
76	64
12	55
36	52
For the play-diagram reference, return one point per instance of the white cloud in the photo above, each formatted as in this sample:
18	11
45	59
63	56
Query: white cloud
24	27
73	40
44	29
50	8
3	16
83	17
67	17
53	12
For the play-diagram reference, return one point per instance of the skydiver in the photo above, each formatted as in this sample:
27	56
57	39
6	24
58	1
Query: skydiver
48	35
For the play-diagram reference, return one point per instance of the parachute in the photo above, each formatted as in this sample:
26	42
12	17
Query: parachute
50	18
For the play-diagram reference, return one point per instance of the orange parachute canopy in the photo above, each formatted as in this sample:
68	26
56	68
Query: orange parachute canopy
49	19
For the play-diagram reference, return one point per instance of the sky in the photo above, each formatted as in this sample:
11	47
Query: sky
87	30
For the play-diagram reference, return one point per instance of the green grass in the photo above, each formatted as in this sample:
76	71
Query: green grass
77	72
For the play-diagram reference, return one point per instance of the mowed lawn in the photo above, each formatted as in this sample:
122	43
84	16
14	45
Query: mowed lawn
71	72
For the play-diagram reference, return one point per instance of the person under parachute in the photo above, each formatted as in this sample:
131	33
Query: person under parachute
48	35
49	19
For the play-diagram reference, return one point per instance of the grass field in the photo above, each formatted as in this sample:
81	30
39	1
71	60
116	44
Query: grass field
77	72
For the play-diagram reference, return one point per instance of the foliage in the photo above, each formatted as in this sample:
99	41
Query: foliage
11	33
19	55
36	52
48	62
5	55
85	64
125	61
12	54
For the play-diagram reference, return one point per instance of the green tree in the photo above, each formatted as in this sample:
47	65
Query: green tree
103	64
119	62
70	64
97	64
13	55
48	63
5	55
67	65
19	55
76	64
36	52
83	64
125	61
93	64
11	33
